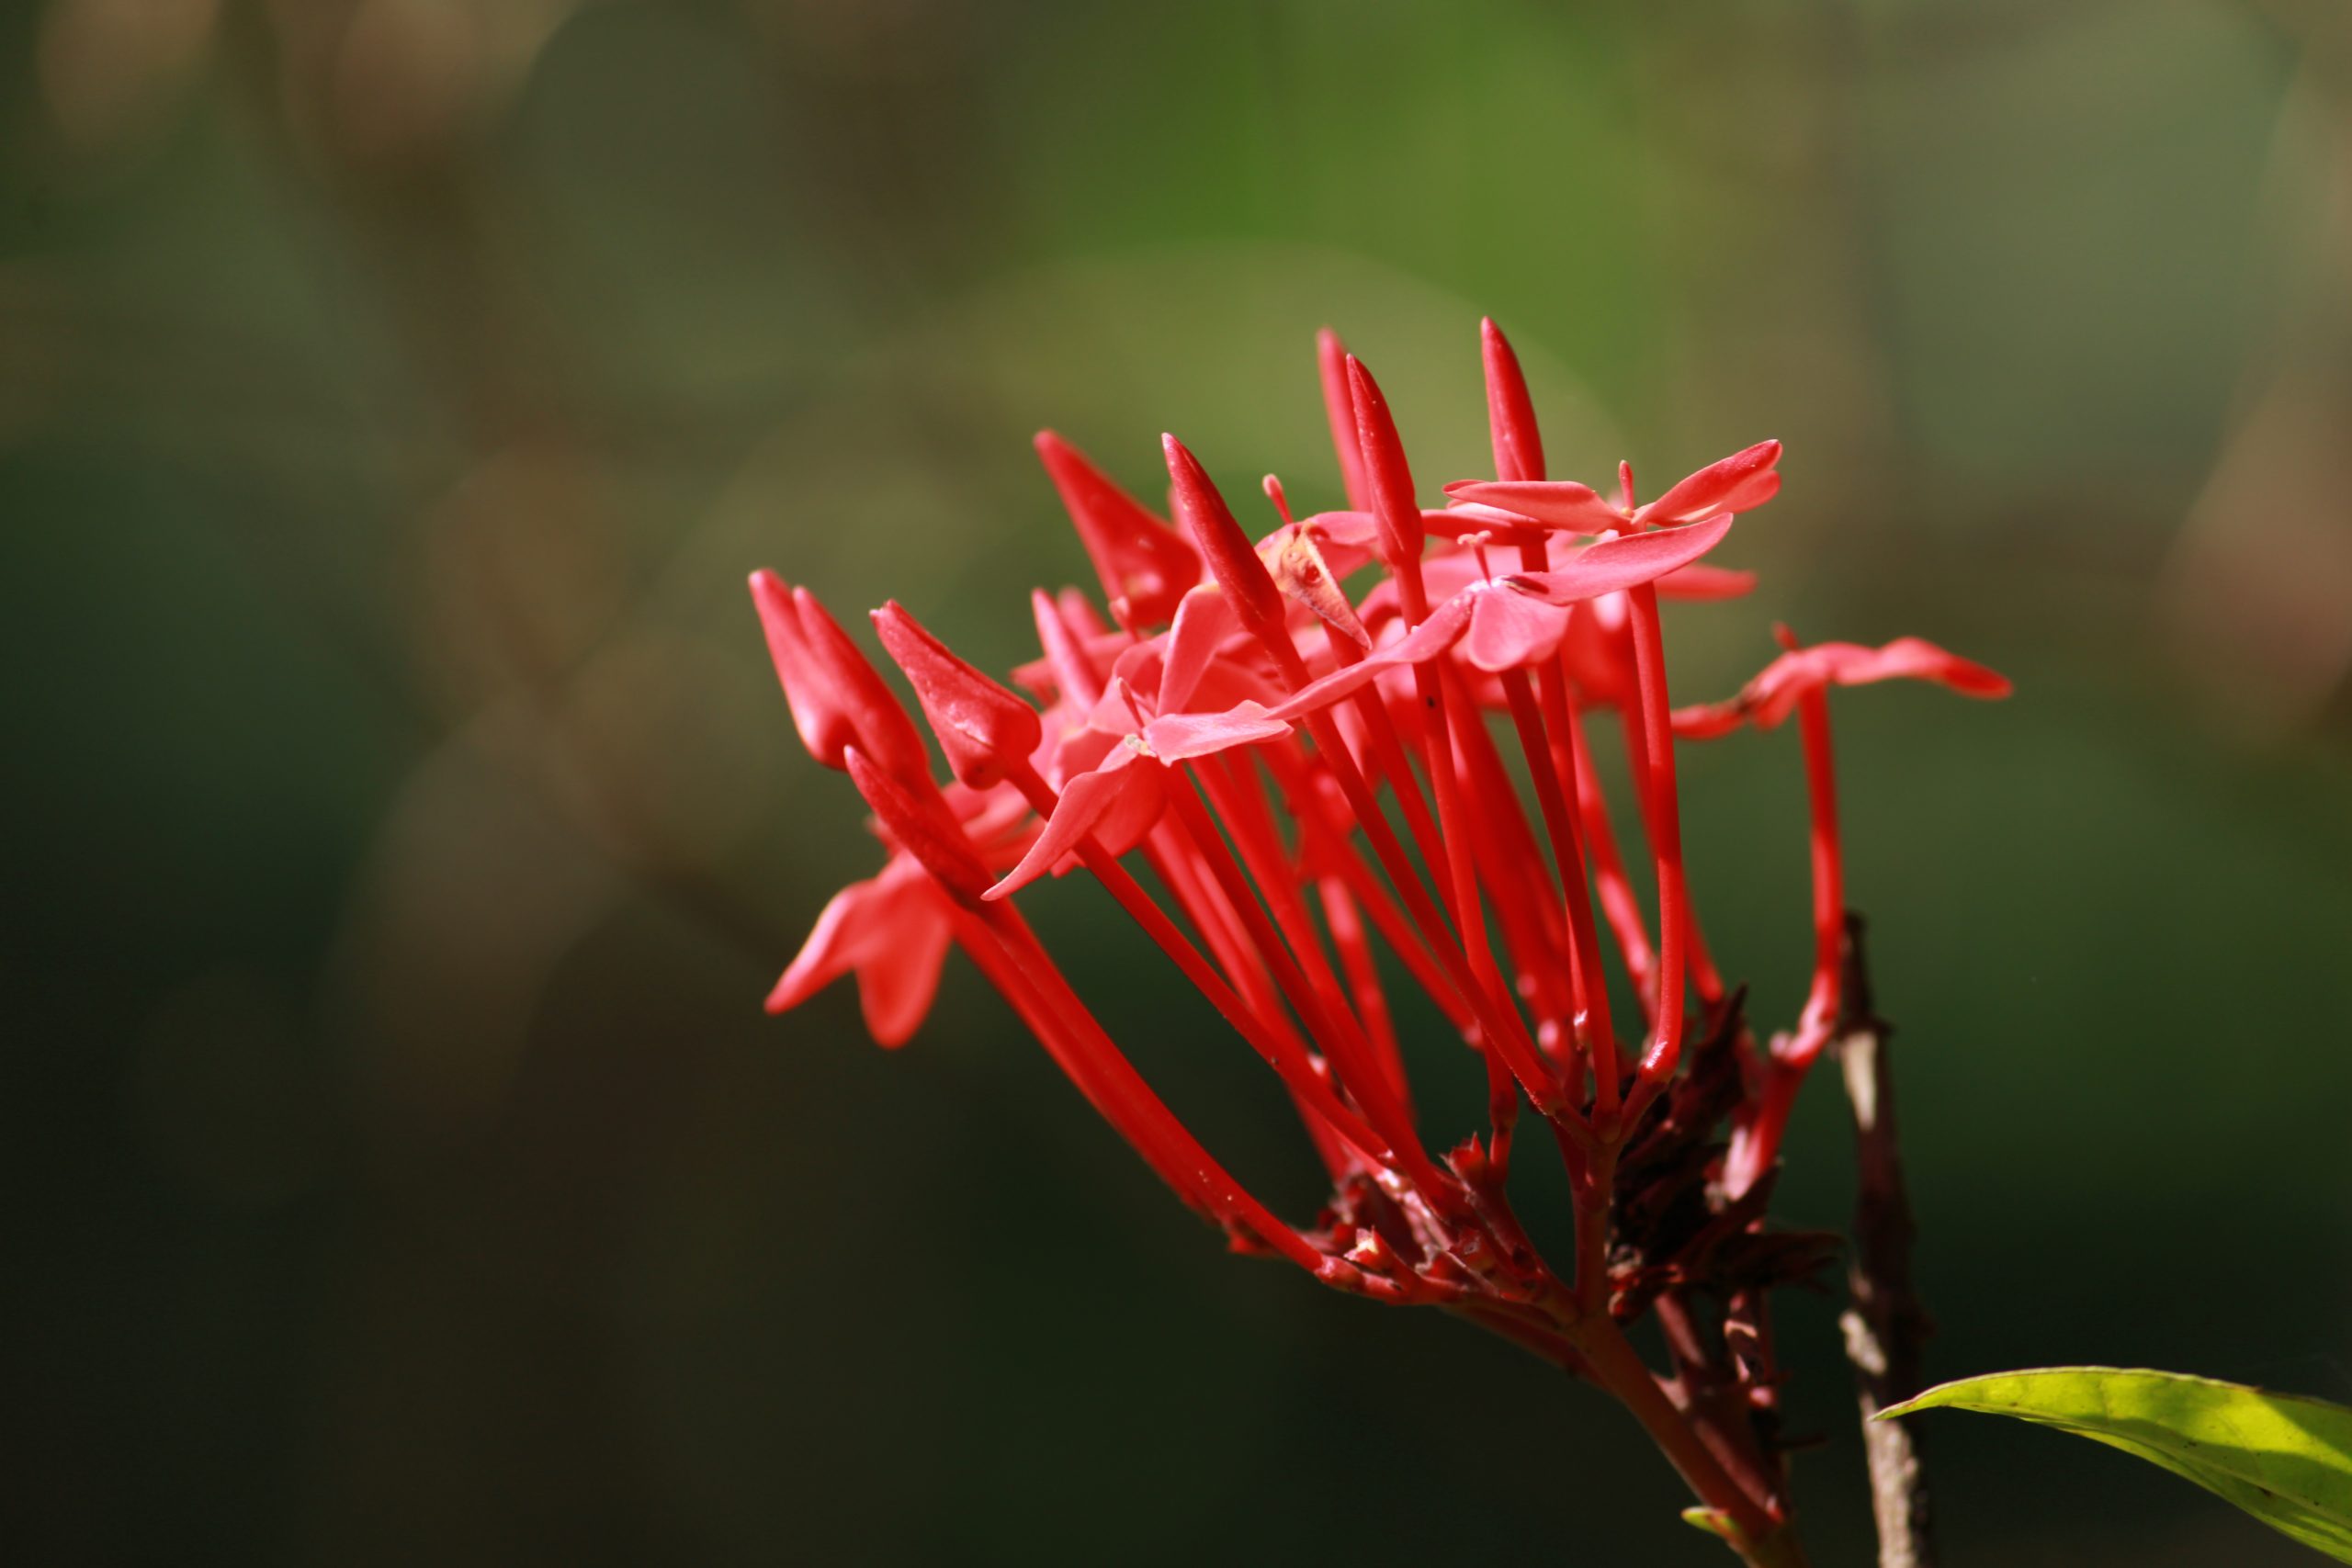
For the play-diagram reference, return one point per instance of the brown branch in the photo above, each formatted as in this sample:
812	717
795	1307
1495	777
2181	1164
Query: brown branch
1885	1327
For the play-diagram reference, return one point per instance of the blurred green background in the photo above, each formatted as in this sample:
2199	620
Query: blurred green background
403	826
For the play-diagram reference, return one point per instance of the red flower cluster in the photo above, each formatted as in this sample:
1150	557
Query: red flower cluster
1234	723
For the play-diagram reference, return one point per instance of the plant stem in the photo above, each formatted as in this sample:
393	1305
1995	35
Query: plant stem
1885	1326
1759	1535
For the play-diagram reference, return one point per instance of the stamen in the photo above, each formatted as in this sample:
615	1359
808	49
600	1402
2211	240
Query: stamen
1273	488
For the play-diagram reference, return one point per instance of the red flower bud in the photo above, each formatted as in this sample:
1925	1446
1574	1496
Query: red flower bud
1232	557
982	727
1340	409
1145	565
824	725
1387	474
1510	413
884	731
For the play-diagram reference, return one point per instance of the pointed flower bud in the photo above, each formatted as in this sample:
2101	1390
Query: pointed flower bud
1510	413
1340	409
825	726
1232	558
1076	679
1387	476
1145	565
884	731
982	727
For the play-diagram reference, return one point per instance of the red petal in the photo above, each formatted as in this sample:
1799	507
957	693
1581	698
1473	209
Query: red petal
1145	565
1433	636
1232	680
1176	738
1773	694
1076	679
1085	799
1921	659
1136	812
1078	613
1509	630
1451	523
1203	620
1702	582
1081	751
1138	669
1736	483
1445	576
1707	721
1115	714
982	727
1510	413
895	987
843	929
1471	517
1556	504
1598	656
1628	561
1359	529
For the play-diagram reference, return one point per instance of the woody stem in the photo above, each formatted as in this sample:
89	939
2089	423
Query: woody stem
1885	1323
1759	1535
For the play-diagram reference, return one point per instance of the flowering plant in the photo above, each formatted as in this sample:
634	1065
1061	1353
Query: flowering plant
1234	723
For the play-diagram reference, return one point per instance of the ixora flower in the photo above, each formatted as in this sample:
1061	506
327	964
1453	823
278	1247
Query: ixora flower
1243	723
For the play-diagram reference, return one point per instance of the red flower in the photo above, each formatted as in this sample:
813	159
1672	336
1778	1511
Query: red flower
1797	682
892	930
1313	776
1776	690
1741	482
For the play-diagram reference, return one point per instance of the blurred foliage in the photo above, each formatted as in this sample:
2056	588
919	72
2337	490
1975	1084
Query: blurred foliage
403	826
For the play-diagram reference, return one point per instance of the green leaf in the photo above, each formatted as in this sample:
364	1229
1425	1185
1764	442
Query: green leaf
1714	1521
1777	1548
2285	1460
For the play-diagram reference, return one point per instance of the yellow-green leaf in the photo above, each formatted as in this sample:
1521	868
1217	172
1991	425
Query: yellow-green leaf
2285	1460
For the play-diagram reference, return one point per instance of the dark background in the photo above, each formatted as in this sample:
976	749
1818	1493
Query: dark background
403	826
